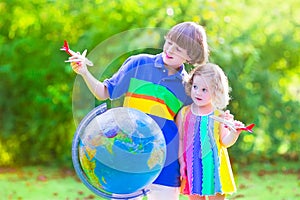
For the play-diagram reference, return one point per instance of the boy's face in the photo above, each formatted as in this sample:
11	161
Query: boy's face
173	55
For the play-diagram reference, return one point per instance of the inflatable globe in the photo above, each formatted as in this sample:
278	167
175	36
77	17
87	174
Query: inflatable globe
118	152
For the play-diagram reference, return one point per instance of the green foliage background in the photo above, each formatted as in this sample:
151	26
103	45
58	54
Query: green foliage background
257	43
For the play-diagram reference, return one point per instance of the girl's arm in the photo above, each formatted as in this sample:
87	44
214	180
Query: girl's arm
179	123
228	137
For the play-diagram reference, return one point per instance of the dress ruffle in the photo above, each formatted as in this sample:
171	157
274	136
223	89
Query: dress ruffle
208	166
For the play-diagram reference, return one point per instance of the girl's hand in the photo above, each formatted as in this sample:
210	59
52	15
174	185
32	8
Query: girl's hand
238	126
227	115
235	124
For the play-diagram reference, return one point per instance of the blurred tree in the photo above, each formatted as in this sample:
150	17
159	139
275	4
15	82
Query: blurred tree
255	42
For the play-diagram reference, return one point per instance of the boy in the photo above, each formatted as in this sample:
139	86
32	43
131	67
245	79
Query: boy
153	84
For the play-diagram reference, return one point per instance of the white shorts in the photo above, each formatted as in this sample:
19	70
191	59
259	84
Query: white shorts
161	192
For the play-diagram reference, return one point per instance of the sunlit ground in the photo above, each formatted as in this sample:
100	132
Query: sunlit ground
258	181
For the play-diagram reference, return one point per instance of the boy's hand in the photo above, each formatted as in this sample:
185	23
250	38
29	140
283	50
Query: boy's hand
79	68
79	62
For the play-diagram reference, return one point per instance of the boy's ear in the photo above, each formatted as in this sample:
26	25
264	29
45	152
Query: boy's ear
188	62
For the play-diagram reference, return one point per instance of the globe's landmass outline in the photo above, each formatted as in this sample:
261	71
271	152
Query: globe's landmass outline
85	165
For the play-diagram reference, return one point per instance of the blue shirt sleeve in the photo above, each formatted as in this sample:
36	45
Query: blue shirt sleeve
118	84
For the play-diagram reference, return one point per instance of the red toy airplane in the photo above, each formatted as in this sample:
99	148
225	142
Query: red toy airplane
72	53
248	128
230	124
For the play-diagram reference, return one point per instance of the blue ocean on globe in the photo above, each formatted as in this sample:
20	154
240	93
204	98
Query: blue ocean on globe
118	152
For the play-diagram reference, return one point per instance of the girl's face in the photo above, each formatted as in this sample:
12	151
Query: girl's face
173	55
200	93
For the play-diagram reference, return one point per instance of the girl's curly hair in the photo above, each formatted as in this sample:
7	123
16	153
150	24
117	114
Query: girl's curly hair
216	81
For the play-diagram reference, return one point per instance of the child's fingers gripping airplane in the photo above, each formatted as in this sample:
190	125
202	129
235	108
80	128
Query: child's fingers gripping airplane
76	57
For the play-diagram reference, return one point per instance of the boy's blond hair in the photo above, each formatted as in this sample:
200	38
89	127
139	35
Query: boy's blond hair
216	81
192	37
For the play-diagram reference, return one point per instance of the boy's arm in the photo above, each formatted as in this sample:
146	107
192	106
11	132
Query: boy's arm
98	89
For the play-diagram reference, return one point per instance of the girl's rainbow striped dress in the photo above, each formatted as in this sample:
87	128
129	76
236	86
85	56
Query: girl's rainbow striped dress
208	167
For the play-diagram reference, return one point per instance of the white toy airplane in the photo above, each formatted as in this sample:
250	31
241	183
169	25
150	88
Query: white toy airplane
72	53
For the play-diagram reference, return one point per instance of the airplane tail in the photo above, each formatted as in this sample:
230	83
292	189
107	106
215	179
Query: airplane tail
248	128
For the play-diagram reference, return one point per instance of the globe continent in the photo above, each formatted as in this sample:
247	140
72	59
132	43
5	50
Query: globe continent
120	152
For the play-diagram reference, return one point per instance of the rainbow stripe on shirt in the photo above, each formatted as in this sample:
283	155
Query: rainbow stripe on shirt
152	99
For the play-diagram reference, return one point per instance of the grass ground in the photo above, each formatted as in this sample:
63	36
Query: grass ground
260	181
